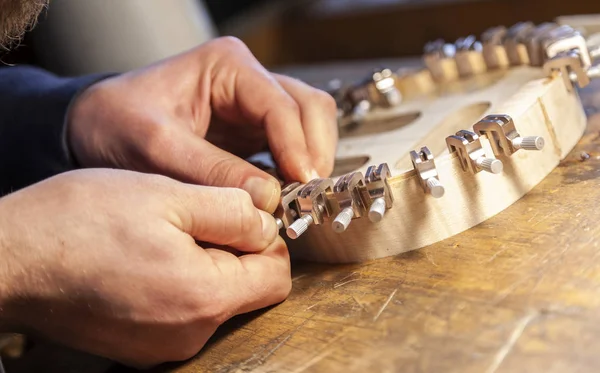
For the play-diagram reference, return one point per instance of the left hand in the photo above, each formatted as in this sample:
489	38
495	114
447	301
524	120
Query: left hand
183	116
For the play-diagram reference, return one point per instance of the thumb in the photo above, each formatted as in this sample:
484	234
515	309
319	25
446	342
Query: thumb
195	160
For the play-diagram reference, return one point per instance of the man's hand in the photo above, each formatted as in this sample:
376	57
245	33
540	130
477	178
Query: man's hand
108	262
182	117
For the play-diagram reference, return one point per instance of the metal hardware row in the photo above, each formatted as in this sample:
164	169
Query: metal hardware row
558	49
355	196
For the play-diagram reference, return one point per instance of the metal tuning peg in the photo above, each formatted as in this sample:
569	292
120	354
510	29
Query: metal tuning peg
564	39
377	90
356	102
570	67
379	191
383	88
348	194
569	56
469	56
439	60
516	49
312	206
467	145
424	165
286	212
494	52
504	137
534	42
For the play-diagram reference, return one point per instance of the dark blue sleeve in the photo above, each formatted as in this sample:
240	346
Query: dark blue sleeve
33	108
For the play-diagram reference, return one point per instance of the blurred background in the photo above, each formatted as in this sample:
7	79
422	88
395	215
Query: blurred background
78	37
313	40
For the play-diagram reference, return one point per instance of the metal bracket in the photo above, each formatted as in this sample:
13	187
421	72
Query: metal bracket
570	66
534	42
348	194
568	54
379	191
469	57
439	60
565	39
385	92
514	43
312	206
286	213
504	137
471	153
424	165
494	51
378	89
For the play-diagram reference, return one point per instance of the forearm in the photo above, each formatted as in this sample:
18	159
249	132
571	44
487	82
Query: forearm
33	107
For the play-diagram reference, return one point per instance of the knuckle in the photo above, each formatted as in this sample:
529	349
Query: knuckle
248	213
326	101
244	199
292	106
231	42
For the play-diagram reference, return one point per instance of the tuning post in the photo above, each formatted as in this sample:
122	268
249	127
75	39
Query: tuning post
504	137
347	192
312	206
379	191
424	165
467	145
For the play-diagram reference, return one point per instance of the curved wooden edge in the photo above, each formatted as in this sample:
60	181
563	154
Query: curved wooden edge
542	107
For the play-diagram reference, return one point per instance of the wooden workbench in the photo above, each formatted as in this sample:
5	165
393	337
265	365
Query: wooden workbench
518	293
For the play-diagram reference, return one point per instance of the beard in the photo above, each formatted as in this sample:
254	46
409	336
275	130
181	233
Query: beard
16	18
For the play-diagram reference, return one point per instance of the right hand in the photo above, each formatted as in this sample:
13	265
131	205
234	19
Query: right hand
108	262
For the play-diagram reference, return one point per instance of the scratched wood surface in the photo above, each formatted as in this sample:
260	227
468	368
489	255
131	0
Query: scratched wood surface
518	293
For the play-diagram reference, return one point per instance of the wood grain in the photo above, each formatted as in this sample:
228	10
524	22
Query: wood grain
539	107
518	293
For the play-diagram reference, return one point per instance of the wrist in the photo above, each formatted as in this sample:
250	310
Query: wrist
77	112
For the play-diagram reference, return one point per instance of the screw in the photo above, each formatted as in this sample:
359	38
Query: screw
300	226
360	111
342	221
493	166
279	223
377	210
436	188
529	143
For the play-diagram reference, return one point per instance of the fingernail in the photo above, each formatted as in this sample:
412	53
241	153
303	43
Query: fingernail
311	175
269	226
263	192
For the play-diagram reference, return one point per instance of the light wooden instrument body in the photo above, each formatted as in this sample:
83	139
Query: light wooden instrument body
538	105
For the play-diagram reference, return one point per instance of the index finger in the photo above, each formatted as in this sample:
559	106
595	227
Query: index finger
249	89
